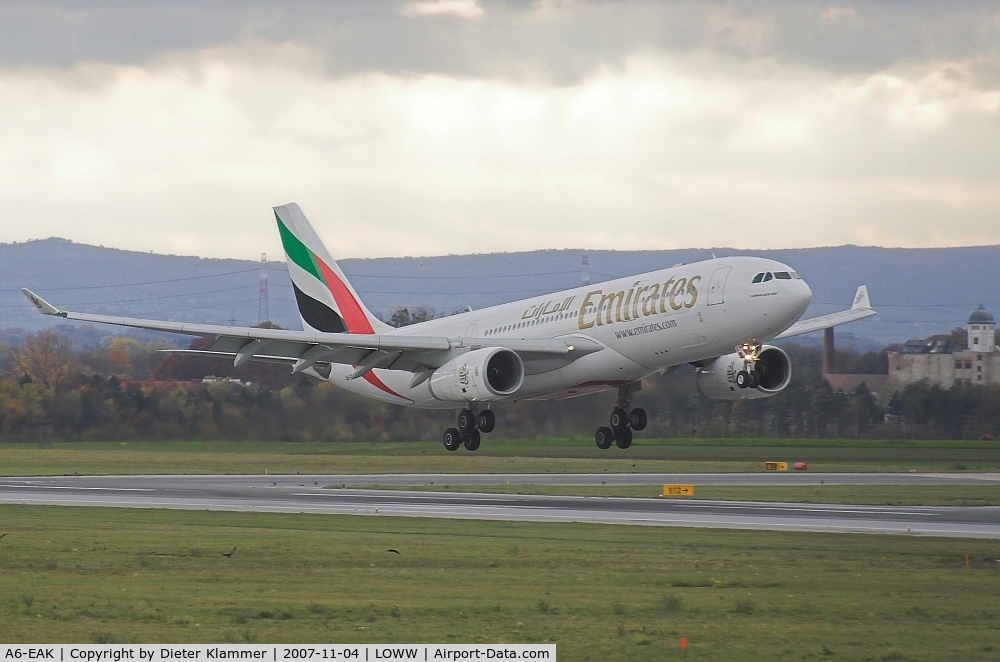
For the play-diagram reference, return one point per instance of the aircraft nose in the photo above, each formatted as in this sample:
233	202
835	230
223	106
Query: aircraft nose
802	294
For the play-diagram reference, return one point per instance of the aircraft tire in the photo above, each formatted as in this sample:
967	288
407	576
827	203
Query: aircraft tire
466	420
619	419
754	379
742	378
604	437
487	421
623	439
472	440
637	419
452	439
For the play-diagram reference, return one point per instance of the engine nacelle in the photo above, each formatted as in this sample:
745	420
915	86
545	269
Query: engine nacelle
718	379
491	373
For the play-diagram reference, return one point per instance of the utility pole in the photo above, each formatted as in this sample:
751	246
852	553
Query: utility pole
263	315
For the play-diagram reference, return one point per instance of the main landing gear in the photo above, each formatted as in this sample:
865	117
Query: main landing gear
623	421
470	425
748	377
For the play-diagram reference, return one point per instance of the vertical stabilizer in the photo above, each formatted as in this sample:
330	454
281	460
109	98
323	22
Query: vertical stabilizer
325	298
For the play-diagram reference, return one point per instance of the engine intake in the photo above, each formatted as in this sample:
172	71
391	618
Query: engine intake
492	373
718	379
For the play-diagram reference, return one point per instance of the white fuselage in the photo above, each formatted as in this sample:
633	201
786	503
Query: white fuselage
687	313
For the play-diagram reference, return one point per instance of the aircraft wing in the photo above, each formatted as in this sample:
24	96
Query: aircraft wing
860	309
305	349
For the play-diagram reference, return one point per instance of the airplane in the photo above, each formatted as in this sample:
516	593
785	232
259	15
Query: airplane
716	315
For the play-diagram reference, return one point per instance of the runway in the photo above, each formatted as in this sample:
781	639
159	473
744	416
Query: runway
305	494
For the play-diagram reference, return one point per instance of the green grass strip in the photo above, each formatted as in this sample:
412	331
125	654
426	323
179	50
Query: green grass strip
495	456
600	592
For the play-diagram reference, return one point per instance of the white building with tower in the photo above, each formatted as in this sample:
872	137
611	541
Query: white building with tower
942	362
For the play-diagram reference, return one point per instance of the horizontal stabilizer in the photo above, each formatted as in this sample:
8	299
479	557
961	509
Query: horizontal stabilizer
860	309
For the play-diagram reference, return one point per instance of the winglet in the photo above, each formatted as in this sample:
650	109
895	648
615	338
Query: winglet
43	306
861	298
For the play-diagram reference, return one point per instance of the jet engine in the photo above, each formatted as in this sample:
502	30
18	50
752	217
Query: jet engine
492	373
717	380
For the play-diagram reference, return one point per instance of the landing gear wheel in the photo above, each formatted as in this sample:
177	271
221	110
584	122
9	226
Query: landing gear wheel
487	421
604	437
472	440
619	419
637	419
466	420
452	439
743	379
623	439
754	379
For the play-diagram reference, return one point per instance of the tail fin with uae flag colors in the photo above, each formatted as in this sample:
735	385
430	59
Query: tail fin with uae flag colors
325	298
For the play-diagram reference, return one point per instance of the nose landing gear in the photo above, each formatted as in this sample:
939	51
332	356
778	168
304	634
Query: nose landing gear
470	428
622	421
750	353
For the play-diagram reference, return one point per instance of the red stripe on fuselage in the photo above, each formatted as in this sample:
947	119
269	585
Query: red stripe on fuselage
372	379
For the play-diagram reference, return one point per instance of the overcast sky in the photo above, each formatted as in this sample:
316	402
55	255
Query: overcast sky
461	126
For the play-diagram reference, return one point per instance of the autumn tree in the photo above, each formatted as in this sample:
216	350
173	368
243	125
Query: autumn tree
44	359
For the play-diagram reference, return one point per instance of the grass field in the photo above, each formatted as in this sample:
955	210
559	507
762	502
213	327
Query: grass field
600	592
495	456
901	495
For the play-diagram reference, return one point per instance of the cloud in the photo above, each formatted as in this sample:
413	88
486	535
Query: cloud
511	40
457	8
188	153
835	13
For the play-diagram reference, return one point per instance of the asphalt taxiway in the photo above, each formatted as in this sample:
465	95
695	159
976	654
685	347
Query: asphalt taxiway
306	494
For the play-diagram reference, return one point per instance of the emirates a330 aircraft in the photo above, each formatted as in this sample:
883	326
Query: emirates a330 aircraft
715	315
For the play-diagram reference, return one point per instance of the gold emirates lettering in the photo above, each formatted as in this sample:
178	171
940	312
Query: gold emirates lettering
675	294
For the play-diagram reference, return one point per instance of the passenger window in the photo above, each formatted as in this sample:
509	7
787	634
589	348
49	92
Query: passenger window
782	275
758	277
767	277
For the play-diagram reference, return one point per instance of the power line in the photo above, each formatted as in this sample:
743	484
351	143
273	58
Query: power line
463	276
214	305
150	282
163	296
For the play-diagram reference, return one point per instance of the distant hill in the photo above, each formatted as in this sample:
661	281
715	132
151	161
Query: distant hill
917	291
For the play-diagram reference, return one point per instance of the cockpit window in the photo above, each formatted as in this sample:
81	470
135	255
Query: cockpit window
795	275
782	275
759	277
767	276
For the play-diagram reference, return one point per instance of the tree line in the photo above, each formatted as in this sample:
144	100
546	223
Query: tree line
127	389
